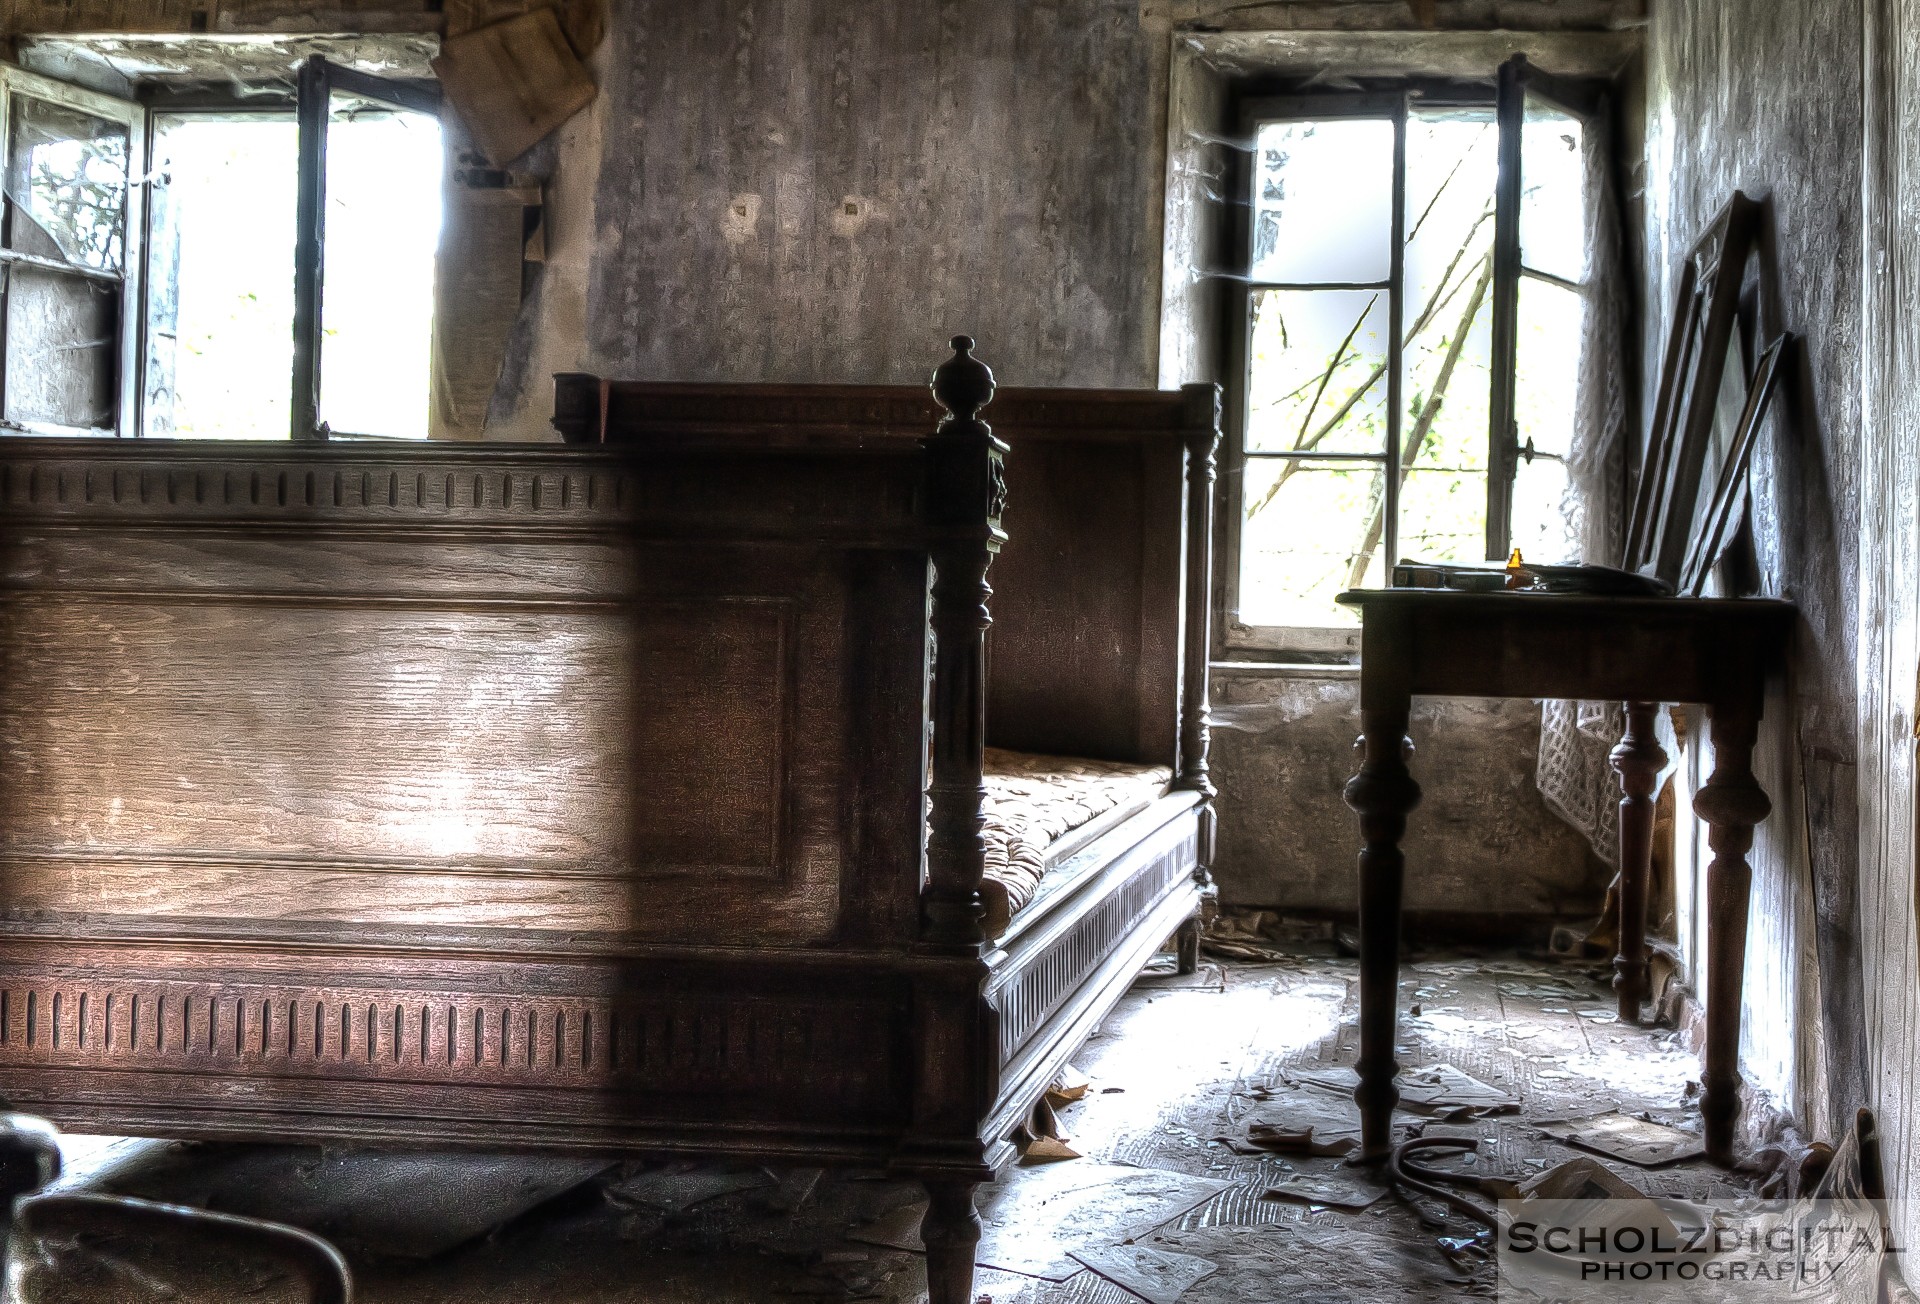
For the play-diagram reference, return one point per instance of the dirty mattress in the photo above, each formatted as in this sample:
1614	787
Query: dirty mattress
1034	802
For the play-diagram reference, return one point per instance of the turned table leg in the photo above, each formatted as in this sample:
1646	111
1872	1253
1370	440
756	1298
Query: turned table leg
1383	792
1731	803
1638	761
951	1233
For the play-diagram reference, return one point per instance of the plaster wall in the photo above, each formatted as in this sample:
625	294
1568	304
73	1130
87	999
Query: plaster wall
1482	842
1767	99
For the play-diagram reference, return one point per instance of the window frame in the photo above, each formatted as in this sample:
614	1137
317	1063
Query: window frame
308	104
130	329
318	81
176	102
1502	91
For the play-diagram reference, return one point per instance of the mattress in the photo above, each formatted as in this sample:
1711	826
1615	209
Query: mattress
1035	806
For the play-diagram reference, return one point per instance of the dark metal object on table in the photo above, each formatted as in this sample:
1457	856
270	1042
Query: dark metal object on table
1640	651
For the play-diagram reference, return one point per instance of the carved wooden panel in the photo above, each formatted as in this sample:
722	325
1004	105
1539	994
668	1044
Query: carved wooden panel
1083	657
675	1045
585	732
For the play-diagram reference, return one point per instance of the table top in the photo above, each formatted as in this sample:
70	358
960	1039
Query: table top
1443	642
1613	606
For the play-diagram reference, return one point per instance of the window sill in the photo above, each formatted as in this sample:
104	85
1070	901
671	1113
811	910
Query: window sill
1285	669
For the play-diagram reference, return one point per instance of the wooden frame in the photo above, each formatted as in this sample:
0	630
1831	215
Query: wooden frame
1706	311
313	107
1518	80
576	797
1730	485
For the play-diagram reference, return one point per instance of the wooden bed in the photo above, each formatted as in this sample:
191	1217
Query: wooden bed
620	796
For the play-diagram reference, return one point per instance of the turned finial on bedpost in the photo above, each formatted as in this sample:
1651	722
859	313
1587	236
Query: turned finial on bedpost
965	494
962	384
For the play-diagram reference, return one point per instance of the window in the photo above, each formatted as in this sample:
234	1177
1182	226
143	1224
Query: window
276	281
1410	307
69	227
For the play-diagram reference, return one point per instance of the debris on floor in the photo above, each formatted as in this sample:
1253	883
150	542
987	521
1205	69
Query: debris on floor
1266	936
1156	1276
1336	1192
1437	1089
1302	1120
678	1187
1636	1139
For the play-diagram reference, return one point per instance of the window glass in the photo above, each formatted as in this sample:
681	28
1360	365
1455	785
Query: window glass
1318	376
1320	353
1452	165
1546	380
382	228
1323	201
1312	529
1553	226
1544	512
220	276
67	183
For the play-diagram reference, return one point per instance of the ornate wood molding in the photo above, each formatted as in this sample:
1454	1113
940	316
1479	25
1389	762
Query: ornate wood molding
677	1043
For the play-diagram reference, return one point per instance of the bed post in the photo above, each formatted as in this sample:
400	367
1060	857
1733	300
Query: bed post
1201	419
966	491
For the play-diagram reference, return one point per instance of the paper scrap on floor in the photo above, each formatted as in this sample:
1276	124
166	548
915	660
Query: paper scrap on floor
1637	1140
1432	1089
1338	1192
1154	1275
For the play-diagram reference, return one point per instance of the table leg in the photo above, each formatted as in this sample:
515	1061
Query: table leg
1638	761
1731	803
1383	792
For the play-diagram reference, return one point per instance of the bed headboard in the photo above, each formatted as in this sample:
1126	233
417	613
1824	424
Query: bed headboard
1100	619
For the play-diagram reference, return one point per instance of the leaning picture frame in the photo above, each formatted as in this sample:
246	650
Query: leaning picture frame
1724	510
1706	314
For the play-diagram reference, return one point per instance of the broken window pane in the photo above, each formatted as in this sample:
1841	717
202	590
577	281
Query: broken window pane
1317	380
1311	529
1323	201
382	228
220	276
67	184
61	343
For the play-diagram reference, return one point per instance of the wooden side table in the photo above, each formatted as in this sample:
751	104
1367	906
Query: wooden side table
1640	651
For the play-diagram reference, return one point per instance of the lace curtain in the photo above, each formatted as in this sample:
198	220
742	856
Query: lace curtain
1576	737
